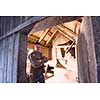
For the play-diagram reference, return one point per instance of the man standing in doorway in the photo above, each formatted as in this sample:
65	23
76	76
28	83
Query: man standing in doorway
37	64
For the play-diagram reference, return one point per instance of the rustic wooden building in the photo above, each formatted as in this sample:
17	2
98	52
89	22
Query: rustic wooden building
18	33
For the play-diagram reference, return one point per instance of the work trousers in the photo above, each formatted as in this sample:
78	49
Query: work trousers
37	75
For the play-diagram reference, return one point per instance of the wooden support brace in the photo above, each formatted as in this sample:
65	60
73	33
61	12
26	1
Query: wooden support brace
65	34
51	38
44	34
67	30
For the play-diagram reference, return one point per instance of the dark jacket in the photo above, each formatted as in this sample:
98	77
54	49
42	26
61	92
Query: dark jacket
37	59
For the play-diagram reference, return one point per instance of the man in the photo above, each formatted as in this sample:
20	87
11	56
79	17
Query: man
37	64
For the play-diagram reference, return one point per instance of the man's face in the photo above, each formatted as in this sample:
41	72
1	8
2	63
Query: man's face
37	47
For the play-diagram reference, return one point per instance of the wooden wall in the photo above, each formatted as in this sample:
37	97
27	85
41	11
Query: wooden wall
9	58
13	48
45	51
7	23
9	48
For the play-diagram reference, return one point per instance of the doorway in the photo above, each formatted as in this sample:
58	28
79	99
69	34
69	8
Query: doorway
59	45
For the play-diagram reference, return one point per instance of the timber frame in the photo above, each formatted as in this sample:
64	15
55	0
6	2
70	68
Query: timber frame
38	23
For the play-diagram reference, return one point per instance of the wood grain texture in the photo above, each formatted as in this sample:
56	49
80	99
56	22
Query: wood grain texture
15	57
22	56
1	60
17	25
9	58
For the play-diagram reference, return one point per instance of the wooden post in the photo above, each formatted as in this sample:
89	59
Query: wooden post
86	52
22	56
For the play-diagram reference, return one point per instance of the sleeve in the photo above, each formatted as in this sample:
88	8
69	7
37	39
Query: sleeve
44	59
32	62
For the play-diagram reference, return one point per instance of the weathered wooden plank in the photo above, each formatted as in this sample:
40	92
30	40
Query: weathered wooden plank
57	36
7	23
10	60
66	35
15	57
53	21
1	73
68	30
2	59
22	56
44	34
50	38
83	65
70	47
89	36
5	60
28	25
64	46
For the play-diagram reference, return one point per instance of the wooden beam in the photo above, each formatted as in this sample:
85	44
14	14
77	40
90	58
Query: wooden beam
50	33
77	29
67	30
50	38
55	28
64	46
32	38
64	34
46	22
53	21
56	38
25	27
44	34
70	46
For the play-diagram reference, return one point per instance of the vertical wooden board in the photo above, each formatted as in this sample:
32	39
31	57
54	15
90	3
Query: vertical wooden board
85	62
1	62
10	55
22	57
7	23
79	61
90	34
15	57
5	60
86	55
82	54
